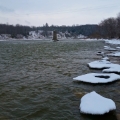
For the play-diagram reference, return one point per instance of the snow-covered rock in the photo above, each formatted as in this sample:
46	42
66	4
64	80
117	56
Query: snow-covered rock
118	47
114	41
106	46
105	58
95	104
109	48
114	68
97	78
116	54
100	64
100	53
106	65
81	36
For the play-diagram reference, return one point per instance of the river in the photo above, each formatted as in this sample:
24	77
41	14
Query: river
36	80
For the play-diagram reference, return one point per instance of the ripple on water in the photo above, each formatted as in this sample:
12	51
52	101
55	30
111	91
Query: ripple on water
36	80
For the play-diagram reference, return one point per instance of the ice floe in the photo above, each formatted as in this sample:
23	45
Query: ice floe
95	104
105	58
106	65
100	64
114	68
97	78
116	54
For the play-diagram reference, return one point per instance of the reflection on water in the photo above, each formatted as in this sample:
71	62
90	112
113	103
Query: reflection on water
36	80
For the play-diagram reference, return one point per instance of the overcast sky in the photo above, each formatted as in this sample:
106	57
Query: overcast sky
57	12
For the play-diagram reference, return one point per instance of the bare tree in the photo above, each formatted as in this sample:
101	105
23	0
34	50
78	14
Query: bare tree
118	25
109	27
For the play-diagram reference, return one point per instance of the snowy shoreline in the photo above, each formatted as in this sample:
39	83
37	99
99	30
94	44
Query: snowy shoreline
114	41
93	103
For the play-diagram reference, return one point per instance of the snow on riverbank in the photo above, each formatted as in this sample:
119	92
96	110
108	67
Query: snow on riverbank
109	48
114	41
93	103
116	54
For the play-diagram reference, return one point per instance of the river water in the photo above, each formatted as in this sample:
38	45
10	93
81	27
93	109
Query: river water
36	80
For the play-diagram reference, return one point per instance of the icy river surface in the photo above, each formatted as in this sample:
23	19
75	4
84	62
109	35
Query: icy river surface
36	80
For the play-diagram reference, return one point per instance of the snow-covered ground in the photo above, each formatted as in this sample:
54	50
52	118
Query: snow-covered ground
2	40
81	36
114	41
42	35
118	47
109	48
95	104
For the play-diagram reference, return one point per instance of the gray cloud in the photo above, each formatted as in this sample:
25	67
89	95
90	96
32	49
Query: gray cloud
6	10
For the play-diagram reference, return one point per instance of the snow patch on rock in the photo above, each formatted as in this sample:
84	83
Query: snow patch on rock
114	68
106	65
109	48
100	53
97	78
114	41
105	58
100	64
116	54
118	47
95	104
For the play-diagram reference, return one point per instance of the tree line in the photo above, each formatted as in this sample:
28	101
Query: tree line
108	28
74	30
14	30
